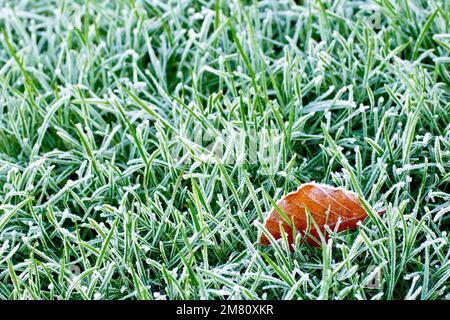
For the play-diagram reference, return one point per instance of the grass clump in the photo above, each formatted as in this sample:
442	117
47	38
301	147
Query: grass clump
107	191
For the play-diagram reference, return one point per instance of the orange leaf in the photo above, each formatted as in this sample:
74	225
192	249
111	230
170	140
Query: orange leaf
326	204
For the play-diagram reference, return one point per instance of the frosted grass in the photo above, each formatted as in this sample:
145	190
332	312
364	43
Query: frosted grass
96	98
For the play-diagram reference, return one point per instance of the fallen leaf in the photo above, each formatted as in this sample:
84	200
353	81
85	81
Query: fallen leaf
326	204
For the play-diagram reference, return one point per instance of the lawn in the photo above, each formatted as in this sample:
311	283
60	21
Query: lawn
144	142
